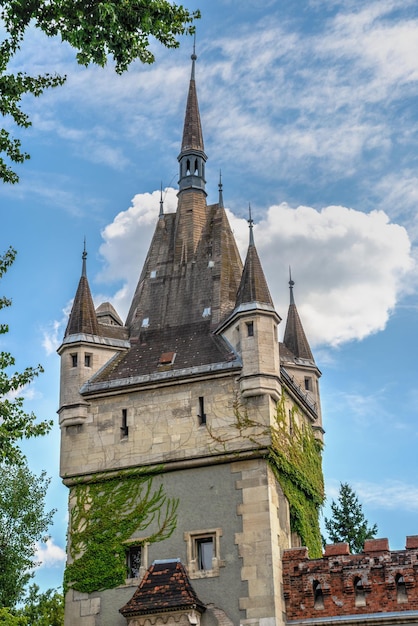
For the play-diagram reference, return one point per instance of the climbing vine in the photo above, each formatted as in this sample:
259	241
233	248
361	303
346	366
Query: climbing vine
105	514
295	457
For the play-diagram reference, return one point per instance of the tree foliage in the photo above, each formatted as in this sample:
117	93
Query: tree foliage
42	609
97	29
348	522
23	522
15	423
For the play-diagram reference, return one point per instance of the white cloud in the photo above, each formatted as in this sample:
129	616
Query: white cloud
386	494
48	554
348	265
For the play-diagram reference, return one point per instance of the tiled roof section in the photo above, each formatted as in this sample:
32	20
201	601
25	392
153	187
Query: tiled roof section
178	292
83	317
253	286
294	336
193	345
192	131
164	587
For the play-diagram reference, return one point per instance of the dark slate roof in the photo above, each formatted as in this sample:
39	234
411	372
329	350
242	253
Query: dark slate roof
191	346
165	587
253	286
294	336
192	130
83	317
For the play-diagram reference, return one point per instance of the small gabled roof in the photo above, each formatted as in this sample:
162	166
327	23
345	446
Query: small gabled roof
165	587
253	286
294	336
83	317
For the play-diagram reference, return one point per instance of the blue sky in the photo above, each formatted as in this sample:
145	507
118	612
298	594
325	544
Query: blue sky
310	111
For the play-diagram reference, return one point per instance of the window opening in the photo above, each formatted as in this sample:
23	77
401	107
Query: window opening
201	411
308	383
87	359
360	597
153	274
188	166
74	360
133	561
204	552
145	322
196	168
318	595
206	311
124	425
401	594
250	329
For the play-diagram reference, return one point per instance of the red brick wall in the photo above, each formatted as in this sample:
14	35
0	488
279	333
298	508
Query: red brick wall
376	570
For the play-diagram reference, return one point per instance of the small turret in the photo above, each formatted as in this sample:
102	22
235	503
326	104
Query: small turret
252	328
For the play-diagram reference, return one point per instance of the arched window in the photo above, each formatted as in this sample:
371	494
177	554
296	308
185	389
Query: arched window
318	595
401	594
360	596
196	167
188	166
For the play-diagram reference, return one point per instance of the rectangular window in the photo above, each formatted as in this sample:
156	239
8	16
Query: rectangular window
124	425
74	360
87	359
250	329
308	383
201	411
133	561
205	552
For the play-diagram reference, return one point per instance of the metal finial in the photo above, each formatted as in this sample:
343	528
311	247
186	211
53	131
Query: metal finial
193	57
84	258
221	198
161	215
291	284
251	224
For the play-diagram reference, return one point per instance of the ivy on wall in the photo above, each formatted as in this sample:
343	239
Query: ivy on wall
296	459
105	513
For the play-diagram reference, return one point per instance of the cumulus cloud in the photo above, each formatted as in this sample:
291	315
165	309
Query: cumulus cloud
348	265
49	554
386	494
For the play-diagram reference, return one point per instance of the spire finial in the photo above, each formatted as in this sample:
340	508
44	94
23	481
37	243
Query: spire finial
161	215
291	284
193	57
221	198
251	224
84	258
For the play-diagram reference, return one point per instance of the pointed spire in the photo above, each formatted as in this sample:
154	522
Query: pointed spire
253	286
221	197
83	317
294	335
192	130
161	215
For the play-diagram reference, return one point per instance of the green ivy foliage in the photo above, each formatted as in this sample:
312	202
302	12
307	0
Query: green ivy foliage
296	459
105	514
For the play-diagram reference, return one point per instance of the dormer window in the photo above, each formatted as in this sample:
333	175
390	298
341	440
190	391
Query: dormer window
206	312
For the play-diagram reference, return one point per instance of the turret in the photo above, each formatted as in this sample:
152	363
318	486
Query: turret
251	329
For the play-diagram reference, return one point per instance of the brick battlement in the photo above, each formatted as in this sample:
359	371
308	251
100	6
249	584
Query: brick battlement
342	584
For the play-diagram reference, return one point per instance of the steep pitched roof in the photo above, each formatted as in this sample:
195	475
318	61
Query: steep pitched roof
294	336
253	286
192	129
83	317
164	587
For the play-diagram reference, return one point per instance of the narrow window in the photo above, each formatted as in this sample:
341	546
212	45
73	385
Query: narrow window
206	311
360	597
133	561
124	424
250	329
145	322
401	594
308	383
188	166
87	360
204	552
201	411
318	595
290	422
74	360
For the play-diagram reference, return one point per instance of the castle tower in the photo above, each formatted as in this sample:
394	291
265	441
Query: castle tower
178	471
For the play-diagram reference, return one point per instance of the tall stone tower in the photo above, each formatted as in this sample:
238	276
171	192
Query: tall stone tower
190	438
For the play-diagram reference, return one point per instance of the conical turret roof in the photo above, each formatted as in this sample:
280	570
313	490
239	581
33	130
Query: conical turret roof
253	286
192	130
294	336
83	317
